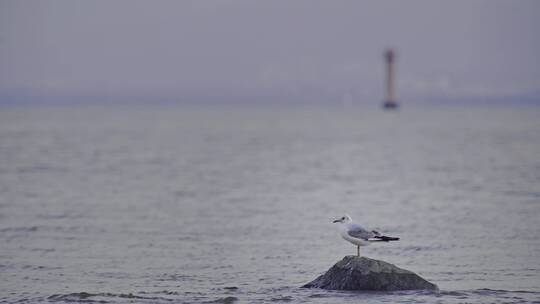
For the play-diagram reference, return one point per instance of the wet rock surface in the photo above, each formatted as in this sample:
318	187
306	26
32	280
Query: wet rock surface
361	273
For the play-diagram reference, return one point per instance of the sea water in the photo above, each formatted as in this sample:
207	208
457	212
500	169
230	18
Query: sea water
184	204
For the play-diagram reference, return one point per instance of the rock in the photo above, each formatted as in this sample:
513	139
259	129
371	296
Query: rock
361	273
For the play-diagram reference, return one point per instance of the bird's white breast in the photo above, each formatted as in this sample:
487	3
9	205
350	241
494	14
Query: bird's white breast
343	232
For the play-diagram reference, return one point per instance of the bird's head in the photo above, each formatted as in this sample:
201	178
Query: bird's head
343	219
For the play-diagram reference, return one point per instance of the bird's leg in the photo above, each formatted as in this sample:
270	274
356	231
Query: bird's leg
358	250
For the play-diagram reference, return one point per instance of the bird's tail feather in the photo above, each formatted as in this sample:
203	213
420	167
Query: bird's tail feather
386	238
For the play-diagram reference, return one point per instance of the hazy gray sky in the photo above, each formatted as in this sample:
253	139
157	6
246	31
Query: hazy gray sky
267	50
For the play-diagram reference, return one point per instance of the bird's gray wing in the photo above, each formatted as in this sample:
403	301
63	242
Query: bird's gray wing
359	232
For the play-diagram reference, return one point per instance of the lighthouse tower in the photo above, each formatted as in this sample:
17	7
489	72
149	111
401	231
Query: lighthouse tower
390	102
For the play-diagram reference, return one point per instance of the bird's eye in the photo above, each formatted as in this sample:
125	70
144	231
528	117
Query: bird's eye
343	218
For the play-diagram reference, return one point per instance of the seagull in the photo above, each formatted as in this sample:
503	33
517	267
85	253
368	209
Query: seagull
359	236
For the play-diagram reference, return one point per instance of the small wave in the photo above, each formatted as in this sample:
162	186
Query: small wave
39	267
73	297
175	277
453	293
281	299
86	297
410	292
321	295
226	300
57	216
484	291
19	229
423	248
166	292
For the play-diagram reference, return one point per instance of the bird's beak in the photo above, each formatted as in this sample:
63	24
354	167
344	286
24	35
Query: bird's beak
336	221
